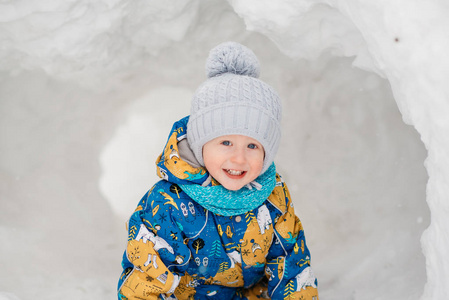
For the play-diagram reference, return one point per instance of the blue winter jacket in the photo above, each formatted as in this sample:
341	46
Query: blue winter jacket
179	250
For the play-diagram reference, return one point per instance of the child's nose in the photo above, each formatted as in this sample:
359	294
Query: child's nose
238	156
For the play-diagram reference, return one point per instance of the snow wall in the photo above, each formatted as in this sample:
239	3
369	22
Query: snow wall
89	89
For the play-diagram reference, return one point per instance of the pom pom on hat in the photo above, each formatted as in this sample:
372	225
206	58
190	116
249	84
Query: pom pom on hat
233	101
231	57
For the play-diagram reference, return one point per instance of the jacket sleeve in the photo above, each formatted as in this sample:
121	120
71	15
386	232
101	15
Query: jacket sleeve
155	255
288	261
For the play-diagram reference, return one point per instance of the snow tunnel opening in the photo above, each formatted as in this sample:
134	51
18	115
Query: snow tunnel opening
354	169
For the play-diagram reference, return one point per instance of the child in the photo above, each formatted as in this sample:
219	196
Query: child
220	224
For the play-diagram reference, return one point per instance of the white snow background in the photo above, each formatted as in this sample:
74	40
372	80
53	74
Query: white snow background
89	90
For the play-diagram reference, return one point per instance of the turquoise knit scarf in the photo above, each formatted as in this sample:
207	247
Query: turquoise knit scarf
222	201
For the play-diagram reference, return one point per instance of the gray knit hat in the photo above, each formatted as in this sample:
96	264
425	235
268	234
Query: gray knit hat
234	101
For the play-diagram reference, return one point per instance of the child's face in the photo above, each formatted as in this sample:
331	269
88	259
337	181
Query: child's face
233	160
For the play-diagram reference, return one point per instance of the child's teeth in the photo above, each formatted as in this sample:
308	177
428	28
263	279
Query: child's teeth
234	172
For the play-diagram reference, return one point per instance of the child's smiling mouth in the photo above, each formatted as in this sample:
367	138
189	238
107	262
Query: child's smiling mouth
234	173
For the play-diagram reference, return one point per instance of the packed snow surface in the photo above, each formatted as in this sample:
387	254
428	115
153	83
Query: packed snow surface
89	90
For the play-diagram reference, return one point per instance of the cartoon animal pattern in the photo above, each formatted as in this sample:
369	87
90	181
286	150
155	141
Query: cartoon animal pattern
178	250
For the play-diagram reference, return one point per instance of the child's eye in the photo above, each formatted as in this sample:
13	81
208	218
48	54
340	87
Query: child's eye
226	143
252	146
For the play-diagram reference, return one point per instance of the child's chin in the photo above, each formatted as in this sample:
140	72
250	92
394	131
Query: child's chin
233	187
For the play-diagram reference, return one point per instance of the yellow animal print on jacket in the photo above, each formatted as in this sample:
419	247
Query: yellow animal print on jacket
174	164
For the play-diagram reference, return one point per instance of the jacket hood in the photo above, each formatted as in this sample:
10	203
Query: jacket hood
177	163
